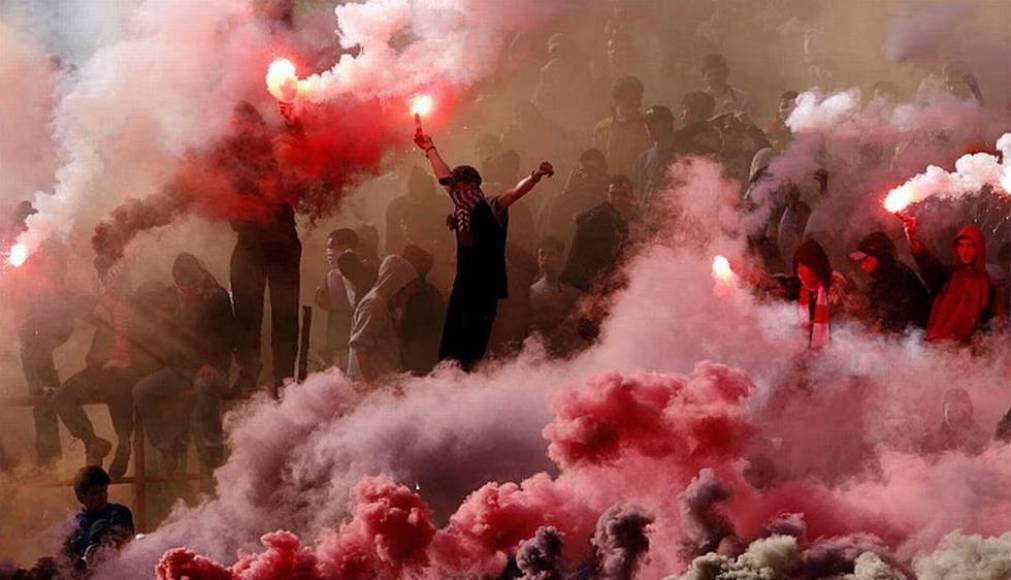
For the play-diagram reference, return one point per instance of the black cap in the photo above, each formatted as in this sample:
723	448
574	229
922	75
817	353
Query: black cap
461	173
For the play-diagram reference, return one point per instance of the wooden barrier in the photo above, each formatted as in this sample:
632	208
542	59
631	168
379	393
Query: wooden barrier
138	481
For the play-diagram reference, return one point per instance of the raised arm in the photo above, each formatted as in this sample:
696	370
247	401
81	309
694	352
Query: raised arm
513	195
424	142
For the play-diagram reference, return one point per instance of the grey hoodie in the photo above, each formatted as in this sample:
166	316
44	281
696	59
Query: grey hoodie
374	351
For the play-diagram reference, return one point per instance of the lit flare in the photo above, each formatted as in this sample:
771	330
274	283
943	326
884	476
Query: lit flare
722	270
898	199
17	255
282	82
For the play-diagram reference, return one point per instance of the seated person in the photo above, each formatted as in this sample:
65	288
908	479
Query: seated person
100	524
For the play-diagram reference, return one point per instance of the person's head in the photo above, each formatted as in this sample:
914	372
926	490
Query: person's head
697	106
19	216
619	49
716	71
189	275
812	266
592	164
420	183
787	103
958	408
549	256
885	91
421	259
626	95
619	192
338	242
557	45
966	250
659	123
874	251
246	119
357	270
91	486
463	178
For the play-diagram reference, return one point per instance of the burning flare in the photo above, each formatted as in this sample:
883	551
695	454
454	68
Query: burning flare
898	199
282	82
17	255
722	270
422	105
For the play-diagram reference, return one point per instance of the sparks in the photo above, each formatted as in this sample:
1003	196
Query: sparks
282	82
422	105
722	270
898	199
17	255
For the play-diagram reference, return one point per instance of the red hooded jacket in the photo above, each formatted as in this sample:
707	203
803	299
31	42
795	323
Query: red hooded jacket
965	299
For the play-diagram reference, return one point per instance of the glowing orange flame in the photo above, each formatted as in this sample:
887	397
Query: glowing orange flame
422	105
17	255
282	82
722	270
898	199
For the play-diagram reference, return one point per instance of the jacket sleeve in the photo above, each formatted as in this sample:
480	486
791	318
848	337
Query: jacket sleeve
934	273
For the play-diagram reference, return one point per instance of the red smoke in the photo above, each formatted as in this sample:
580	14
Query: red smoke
654	415
312	165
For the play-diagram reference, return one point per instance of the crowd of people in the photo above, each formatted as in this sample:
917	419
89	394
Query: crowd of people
164	353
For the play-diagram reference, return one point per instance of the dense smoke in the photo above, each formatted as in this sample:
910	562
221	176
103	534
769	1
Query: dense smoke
697	438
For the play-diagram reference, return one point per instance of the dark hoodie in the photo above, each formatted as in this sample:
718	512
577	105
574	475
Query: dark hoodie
965	299
898	297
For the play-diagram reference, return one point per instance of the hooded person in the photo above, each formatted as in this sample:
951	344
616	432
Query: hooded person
965	300
374	351
811	285
898	298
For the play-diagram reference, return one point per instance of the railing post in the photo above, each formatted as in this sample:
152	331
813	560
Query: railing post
139	478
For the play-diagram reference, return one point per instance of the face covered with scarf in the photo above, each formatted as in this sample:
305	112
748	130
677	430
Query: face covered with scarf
812	267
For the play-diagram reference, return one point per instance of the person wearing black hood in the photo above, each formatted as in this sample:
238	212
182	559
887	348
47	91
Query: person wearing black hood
481	223
898	298
197	361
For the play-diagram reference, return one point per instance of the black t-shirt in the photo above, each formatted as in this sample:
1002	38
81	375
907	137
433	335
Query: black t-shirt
481	263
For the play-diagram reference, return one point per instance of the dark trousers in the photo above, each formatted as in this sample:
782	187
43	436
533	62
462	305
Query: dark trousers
255	268
468	328
166	401
40	374
109	386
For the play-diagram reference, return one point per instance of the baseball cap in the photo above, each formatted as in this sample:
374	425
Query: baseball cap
461	173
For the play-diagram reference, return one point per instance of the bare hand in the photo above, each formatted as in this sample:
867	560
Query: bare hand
423	141
287	112
545	169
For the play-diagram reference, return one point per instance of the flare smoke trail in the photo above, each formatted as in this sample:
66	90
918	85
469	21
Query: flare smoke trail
122	137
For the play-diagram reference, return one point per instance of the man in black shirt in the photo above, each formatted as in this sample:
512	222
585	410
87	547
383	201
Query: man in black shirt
481	224
267	253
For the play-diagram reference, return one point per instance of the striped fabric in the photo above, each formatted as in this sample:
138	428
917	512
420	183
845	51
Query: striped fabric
818	329
464	202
